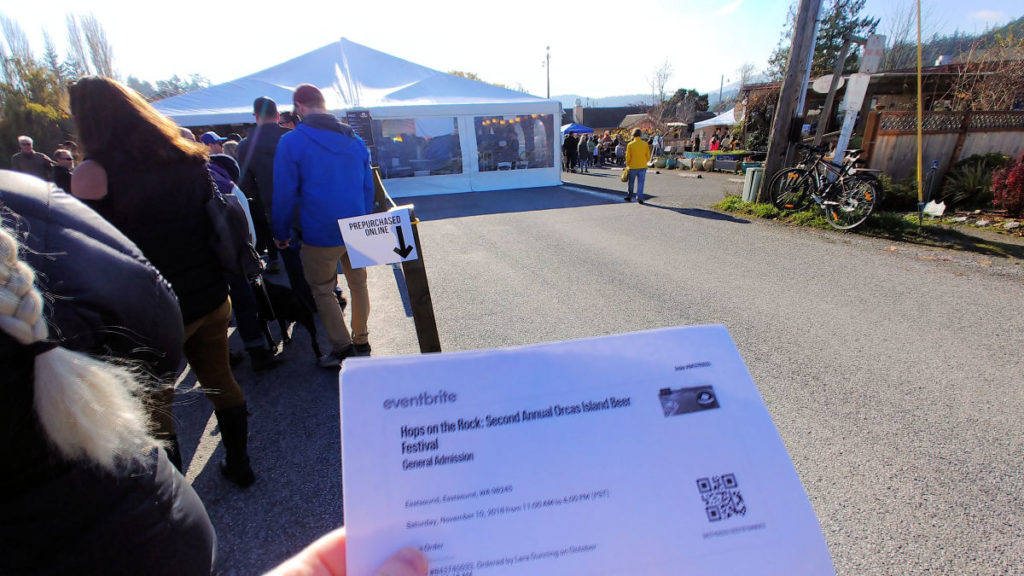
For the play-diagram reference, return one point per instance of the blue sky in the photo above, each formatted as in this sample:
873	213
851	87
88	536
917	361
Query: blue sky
598	47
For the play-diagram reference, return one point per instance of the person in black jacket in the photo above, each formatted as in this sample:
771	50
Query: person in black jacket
256	158
151	183
86	489
64	163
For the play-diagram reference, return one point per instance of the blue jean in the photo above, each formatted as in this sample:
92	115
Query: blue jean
584	161
640	176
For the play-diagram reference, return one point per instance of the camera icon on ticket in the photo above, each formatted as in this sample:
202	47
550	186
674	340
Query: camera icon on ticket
686	400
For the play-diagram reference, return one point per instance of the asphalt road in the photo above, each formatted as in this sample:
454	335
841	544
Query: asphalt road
893	372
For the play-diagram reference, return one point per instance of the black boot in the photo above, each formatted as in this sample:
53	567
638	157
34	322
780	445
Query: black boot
262	359
174	452
234	434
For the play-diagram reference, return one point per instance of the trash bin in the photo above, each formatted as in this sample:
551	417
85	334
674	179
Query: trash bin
751	182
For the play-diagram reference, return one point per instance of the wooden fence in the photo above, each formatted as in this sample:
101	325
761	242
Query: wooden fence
890	139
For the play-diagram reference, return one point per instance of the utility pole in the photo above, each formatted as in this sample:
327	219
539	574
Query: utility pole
548	68
788	117
721	85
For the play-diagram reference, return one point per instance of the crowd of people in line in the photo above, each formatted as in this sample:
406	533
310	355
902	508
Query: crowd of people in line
109	282
580	152
89	373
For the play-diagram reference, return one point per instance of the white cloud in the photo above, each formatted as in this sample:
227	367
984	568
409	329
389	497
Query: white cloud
988	16
729	8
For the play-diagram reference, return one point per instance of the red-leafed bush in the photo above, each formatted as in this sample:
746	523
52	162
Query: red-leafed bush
1008	189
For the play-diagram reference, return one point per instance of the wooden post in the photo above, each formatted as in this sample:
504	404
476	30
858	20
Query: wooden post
415	272
419	295
780	146
965	125
871	126
837	73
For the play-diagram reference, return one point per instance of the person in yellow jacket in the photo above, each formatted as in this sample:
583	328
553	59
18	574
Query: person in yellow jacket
637	155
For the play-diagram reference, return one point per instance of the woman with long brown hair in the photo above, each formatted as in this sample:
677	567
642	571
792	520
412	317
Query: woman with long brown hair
151	183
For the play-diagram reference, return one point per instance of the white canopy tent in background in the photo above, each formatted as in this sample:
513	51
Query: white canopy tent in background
727	118
432	132
704	130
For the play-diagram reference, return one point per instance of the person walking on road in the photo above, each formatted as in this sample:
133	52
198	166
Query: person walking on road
322	169
637	154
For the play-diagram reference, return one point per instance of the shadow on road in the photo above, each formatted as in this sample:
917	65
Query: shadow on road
701	213
441	207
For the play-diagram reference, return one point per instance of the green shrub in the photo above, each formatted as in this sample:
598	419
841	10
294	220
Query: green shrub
898	195
969	182
992	160
756	141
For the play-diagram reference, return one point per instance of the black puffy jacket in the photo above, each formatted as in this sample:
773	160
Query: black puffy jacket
105	299
60	516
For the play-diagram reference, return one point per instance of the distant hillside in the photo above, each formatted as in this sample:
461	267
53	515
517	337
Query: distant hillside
569	100
729	92
957	45
1013	29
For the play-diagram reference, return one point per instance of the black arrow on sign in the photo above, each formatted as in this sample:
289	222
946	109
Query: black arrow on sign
403	252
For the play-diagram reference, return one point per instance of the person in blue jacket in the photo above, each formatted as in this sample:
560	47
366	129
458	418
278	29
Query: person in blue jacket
322	169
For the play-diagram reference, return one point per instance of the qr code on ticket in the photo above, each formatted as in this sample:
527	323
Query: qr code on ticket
722	497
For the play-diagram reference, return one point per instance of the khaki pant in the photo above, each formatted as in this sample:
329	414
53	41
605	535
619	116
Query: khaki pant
320	265
206	348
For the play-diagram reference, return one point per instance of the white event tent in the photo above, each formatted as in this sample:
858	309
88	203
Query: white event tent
727	118
430	132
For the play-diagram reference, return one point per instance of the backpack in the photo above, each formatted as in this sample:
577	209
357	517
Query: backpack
230	237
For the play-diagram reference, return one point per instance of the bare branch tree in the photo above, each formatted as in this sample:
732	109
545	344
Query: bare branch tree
100	50
6	64
899	25
657	82
17	41
19	59
78	60
746	73
990	79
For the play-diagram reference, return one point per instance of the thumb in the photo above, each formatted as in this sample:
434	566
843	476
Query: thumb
406	562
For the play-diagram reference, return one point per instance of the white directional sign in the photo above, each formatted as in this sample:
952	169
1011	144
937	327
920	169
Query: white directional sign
381	238
874	51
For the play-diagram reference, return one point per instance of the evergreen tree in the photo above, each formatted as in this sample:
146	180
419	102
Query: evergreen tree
32	100
839	20
684	104
141	86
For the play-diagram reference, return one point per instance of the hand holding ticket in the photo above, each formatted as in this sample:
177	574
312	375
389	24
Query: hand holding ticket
647	453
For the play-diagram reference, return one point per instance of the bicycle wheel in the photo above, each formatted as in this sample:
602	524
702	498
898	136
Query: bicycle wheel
789	187
853	202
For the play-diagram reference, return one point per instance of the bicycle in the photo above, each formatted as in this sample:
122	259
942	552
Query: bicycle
845	195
